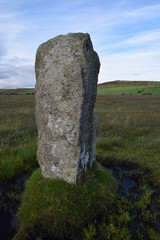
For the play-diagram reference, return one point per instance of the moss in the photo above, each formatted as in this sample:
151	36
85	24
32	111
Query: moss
63	209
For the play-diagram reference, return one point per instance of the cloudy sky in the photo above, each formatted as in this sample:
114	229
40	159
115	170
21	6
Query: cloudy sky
125	34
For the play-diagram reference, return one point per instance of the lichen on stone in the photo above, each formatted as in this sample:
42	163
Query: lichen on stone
66	85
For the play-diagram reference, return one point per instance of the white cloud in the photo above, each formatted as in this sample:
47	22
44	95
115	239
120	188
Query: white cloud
14	77
150	11
143	38
146	40
2	50
131	66
25	24
11	28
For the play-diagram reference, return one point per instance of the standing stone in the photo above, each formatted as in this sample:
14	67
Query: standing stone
66	72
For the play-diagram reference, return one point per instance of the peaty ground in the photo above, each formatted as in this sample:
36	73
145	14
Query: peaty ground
128	146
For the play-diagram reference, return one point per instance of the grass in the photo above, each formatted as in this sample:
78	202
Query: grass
17	160
139	90
130	88
120	89
18	136
63	209
129	135
18	91
125	83
129	130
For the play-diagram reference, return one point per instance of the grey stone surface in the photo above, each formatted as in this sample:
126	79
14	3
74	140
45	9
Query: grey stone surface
67	70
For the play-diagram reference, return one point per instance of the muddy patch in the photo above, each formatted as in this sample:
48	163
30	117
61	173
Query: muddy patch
138	198
9	203
129	181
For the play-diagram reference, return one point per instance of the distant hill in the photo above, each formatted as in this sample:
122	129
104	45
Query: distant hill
113	87
125	83
130	88
17	91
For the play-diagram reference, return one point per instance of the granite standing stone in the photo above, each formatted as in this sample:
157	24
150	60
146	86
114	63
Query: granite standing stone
67	70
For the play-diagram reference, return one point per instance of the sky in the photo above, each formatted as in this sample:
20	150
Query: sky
124	33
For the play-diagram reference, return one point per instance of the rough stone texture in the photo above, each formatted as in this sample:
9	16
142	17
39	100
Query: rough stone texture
66	72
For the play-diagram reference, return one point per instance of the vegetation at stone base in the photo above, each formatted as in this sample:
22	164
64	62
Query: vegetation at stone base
129	135
17	136
63	209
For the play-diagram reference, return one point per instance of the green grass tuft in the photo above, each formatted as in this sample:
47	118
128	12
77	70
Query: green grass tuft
110	143
129	131
18	136
17	160
63	209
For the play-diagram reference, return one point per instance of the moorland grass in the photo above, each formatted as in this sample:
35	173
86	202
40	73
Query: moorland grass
129	131
120	90
132	90
18	136
125	83
62	210
17	160
18	91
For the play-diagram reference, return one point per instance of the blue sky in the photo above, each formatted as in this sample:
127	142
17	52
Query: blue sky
125	34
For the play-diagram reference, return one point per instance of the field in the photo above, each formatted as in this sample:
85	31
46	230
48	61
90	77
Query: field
119	201
130	88
18	91
18	136
129	130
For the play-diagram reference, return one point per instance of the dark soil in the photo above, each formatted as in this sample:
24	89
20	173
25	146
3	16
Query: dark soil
130	181
9	207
